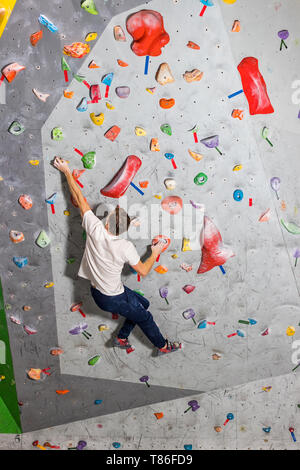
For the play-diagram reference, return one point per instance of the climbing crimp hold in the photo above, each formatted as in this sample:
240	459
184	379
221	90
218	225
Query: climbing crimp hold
93	360
89	6
20	261
166	129
16	128
91	37
46	22
83	105
97	119
36	37
139	131
57	134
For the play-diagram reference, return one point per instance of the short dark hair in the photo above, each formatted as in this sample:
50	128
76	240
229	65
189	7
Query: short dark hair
118	221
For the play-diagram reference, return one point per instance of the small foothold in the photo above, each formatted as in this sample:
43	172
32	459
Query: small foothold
237	168
265	216
236	27
93	360
97	119
34	162
16	237
29	330
193	45
36	37
290	331
20	261
154	146
170	183
238	195
167	103
16	128
200	179
56	351
25	201
77	50
186	267
26	308
107	79
218	428
109	105
193	76
68	94
103	328
89	6
121	63
186	245
188	288
43	240
144	184
112	133
188	447
11	71
119	34
216	356
140	132
123	91
49	284
116	445
166	129
164	74
46	22
151	90
57	134
238	113
41	96
159	415
89	160
93	65
91	37
98	402
83	105
196	156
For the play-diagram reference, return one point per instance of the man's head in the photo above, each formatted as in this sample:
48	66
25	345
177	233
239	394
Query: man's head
117	221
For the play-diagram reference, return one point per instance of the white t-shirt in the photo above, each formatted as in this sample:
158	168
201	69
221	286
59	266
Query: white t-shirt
104	256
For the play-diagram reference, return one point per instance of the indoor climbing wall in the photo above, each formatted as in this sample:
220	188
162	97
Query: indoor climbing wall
222	299
235	173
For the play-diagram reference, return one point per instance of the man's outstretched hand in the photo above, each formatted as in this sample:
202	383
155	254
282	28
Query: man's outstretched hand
61	165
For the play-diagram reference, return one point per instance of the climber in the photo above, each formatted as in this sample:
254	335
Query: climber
102	263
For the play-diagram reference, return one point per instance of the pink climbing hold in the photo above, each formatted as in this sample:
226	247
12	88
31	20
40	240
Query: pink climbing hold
172	204
121	181
214	253
254	87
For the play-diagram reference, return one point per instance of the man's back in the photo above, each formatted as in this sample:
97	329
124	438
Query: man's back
105	256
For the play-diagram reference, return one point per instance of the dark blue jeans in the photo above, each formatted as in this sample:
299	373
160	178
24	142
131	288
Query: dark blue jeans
133	307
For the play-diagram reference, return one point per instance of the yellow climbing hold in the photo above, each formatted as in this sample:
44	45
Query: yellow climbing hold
229	2
237	167
158	196
103	327
140	131
34	162
186	245
6	8
49	284
67	213
98	120
174	256
91	37
290	331
109	105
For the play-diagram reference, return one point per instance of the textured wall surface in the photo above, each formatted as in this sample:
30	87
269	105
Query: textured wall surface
260	280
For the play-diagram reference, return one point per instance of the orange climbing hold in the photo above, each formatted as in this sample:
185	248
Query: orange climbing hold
144	184
193	45
36	37
122	64
236	27
238	113
62	392
159	415
112	133
161	269
68	94
11	71
77	50
93	65
167	104
154	146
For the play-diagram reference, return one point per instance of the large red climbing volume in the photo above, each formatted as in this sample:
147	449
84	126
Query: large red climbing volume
254	87
147	30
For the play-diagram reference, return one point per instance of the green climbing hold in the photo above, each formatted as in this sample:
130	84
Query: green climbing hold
200	179
79	78
139	292
65	65
43	240
71	260
166	129
89	160
291	227
16	128
89	6
93	360
57	134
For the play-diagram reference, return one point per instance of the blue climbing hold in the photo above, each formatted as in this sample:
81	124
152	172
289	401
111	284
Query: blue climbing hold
46	22
98	402
83	105
20	261
116	445
188	446
238	195
267	430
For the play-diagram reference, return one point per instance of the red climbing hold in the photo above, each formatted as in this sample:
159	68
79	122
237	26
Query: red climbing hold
121	181
148	32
